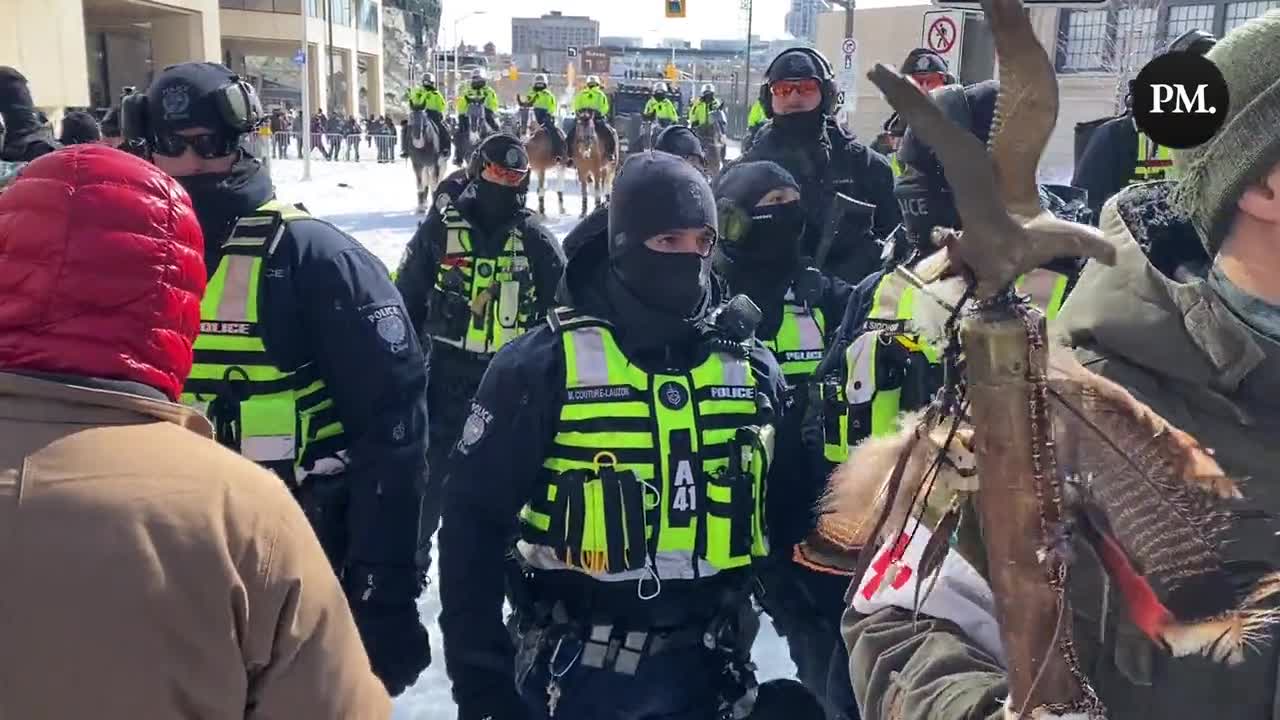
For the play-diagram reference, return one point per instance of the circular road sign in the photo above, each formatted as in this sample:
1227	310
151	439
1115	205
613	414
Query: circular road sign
942	35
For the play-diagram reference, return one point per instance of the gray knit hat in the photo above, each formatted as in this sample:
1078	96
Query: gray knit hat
1215	174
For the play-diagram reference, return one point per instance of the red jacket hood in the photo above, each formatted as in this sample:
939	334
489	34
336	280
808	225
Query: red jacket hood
101	270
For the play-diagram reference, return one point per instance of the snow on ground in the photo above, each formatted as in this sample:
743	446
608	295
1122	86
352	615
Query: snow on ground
375	203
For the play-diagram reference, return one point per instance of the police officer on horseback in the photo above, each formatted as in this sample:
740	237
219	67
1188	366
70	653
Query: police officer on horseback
544	110
591	99
427	98
478	93
704	112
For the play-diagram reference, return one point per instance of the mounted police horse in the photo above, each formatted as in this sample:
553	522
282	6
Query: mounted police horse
712	136
477	130
427	154
541	149
594	166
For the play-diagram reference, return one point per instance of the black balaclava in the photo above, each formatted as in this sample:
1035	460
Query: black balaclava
796	65
680	141
759	250
79	127
656	296
489	204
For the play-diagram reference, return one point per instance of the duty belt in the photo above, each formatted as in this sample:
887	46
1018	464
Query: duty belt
617	648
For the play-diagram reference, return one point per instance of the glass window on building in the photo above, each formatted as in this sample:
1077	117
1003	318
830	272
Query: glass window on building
1135	38
1238	13
1084	47
1189	17
369	14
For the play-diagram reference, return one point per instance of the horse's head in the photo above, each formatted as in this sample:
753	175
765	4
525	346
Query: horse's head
524	118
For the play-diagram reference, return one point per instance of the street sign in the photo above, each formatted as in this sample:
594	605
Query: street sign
847	76
976	6
300	57
675	8
571	51
942	32
595	61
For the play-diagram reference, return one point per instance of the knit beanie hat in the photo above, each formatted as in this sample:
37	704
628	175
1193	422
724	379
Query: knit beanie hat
1215	174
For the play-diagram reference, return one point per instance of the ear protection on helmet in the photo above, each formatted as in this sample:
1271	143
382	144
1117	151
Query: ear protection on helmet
827	81
238	108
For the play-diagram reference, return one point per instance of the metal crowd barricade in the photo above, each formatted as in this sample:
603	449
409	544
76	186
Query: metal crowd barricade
356	147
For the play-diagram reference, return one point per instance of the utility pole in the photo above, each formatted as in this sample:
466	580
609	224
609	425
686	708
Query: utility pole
305	66
747	5
328	49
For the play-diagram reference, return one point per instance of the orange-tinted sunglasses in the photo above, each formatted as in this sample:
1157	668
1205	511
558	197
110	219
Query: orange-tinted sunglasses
506	175
783	88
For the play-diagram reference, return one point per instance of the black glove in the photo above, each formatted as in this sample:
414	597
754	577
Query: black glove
383	601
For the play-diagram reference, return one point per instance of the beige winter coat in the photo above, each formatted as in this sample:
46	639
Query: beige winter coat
147	573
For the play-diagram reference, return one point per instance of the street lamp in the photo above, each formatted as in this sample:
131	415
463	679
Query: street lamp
457	74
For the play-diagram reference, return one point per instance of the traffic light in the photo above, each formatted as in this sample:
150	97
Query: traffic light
675	8
513	73
672	73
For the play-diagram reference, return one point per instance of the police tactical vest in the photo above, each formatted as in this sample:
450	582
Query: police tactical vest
868	400
798	345
489	301
650	477
285	420
1155	162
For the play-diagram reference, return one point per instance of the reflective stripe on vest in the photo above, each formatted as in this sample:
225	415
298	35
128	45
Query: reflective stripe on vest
799	344
638	484
1154	161
500	302
894	164
264	413
1046	290
869	401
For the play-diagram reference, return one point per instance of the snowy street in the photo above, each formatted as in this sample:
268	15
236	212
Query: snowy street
375	203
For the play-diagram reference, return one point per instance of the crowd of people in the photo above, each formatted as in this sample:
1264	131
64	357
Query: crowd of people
232	435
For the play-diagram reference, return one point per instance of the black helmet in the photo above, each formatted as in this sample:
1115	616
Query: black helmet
503	150
1196	41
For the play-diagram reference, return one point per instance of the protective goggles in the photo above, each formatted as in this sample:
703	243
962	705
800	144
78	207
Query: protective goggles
784	88
206	145
505	175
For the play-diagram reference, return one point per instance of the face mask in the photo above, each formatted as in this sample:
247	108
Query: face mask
773	239
497	201
660	96
476	84
804	124
539	86
672	283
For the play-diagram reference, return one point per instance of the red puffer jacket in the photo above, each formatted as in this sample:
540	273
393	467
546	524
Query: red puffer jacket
101	270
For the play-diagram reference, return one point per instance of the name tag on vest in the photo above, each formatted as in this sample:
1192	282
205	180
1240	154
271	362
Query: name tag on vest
600	393
891	326
213	327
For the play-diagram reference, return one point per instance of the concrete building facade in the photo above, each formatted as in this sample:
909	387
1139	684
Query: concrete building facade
260	39
552	32
81	53
1095	53
802	19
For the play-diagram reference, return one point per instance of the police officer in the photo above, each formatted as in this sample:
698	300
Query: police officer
700	112
756	117
927	69
428	99
594	100
478	92
803	137
624	444
476	275
544	109
759	254
1117	154
659	107
305	362
26	137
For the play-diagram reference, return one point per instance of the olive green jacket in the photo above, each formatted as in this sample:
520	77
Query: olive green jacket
1178	348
